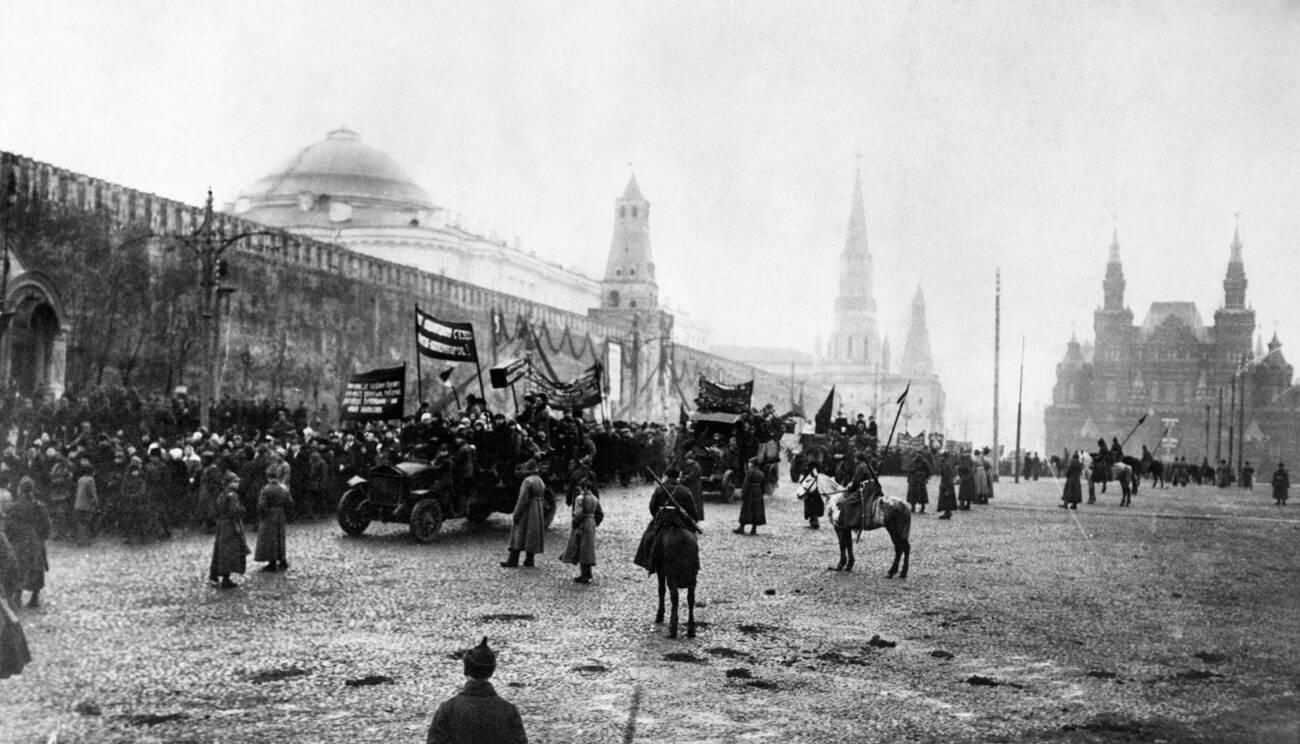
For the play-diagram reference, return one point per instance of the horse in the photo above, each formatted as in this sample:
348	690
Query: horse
675	559
850	512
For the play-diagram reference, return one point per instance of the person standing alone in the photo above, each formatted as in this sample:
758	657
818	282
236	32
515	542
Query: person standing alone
477	715
273	506
1281	484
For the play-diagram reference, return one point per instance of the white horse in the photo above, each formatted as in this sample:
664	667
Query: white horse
867	509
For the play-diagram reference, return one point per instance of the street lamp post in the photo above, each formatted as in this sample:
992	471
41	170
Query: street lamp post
209	245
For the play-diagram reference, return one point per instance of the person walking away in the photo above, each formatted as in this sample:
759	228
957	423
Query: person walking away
1281	484
1073	492
27	525
14	654
133	499
587	516
753	511
273	506
1248	476
670	503
947	493
477	715
527	533
86	501
965	481
917	494
229	551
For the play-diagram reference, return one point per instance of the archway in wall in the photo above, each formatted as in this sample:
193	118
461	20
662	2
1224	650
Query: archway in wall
34	354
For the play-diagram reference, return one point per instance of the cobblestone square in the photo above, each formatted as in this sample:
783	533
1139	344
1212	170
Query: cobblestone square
1171	620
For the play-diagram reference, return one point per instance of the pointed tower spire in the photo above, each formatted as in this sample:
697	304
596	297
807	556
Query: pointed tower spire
855	338
1113	284
630	270
1234	284
917	361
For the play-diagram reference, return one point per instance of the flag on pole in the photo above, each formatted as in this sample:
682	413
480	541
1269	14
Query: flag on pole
903	398
822	421
441	339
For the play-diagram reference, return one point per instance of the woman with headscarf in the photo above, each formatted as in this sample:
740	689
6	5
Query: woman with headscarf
27	525
229	551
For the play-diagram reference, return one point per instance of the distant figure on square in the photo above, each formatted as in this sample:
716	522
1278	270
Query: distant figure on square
273	506
229	551
1073	492
477	715
1248	476
1281	484
753	511
581	548
527	533
27	525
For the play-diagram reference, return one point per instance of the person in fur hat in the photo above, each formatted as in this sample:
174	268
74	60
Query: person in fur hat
477	715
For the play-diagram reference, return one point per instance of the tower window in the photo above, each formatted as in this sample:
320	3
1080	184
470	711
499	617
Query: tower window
631	271
613	299
634	211
622	211
632	304
618	272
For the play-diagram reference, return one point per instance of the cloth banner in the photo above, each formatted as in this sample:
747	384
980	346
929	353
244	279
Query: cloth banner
507	374
908	443
583	392
377	395
715	397
441	339
822	421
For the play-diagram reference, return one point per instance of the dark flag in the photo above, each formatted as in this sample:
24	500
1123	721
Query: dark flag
903	398
441	339
507	374
822	421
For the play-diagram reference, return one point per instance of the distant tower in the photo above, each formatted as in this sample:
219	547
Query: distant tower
855	339
630	271
1234	323
917	362
1113	323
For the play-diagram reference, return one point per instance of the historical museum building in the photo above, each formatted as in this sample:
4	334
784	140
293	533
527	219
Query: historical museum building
855	358
1205	391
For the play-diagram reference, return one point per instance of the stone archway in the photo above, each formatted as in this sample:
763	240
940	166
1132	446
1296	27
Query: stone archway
33	357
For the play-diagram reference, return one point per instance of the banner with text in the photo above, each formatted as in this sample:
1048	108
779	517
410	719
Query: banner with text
716	397
582	392
377	395
442	339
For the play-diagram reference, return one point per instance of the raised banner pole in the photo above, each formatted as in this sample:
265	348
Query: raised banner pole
478	368
419	380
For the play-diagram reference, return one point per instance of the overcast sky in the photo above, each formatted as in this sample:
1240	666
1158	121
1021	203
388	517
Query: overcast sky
992	134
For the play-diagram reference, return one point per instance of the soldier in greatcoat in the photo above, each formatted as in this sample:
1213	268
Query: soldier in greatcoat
581	548
27	525
1281	484
273	506
527	534
1073	493
229	551
693	479
477	715
947	492
917	493
753	510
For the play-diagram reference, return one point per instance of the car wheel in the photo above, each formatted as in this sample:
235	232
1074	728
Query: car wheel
426	520
352	512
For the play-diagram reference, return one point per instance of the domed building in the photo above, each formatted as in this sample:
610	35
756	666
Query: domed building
341	190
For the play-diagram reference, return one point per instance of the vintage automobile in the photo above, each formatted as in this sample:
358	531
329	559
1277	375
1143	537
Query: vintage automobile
421	494
721	470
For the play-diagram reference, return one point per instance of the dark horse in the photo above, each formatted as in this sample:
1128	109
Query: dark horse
854	512
674	555
1125	472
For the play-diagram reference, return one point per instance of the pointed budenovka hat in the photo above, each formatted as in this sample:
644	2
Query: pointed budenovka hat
480	661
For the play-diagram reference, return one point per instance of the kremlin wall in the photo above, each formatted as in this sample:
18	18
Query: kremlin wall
300	312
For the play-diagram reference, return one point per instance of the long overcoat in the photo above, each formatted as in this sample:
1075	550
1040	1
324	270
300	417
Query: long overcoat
28	527
229	551
272	505
14	654
965	481
477	716
983	481
917	493
947	493
752	508
527	533
587	514
1281	482
1073	488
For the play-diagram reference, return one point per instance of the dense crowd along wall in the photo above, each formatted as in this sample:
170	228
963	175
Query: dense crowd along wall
305	313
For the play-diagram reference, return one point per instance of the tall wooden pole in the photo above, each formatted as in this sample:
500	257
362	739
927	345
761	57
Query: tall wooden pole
1241	420
997	351
1020	397
1232	416
1218	432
